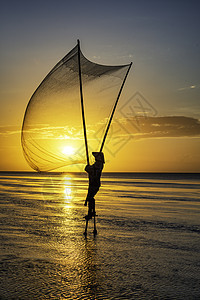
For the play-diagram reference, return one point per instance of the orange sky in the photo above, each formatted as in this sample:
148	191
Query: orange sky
161	98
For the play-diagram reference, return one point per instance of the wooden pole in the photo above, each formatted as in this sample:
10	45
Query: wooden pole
95	228
86	226
114	108
82	104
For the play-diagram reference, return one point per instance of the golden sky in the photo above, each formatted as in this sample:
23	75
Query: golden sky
157	125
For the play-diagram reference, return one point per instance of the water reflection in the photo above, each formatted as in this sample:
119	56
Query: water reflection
66	240
67	193
59	187
144	227
67	189
90	280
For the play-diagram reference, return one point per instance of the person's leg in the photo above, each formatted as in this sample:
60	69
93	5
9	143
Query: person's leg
91	201
91	193
91	206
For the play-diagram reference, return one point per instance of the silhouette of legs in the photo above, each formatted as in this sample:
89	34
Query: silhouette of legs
91	213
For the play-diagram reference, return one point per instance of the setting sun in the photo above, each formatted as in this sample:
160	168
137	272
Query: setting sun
68	150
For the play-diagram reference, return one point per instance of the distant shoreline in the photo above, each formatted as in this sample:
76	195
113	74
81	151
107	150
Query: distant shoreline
103	172
169	175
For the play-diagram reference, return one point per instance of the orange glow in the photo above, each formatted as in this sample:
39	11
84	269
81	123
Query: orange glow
68	150
144	155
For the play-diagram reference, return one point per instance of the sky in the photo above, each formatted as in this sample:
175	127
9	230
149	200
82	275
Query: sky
162	40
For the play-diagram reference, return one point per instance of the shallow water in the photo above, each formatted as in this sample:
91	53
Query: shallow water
147	245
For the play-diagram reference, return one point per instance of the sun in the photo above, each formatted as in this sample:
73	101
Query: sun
68	150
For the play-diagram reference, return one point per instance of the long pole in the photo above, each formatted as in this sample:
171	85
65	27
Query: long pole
82	104
114	108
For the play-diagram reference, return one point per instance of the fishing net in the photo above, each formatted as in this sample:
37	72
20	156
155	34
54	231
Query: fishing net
52	132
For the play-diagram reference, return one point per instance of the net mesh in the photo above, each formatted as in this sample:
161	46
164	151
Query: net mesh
52	132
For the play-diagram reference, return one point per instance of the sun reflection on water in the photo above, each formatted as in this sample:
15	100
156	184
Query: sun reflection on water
67	193
68	190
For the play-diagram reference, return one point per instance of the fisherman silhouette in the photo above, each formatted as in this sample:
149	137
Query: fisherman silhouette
94	172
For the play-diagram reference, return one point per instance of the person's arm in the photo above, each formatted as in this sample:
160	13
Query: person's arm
89	169
98	165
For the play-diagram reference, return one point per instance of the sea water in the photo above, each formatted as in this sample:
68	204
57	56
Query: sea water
147	246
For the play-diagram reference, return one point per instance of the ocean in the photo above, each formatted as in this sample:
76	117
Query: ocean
147	246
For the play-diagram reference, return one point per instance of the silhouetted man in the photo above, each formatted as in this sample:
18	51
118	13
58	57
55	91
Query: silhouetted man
94	172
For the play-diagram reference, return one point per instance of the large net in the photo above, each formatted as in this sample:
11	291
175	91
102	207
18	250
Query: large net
52	132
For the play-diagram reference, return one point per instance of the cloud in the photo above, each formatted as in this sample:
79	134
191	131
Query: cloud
138	127
9	130
46	132
169	126
189	87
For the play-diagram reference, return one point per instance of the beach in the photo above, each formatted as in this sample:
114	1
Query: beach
147	246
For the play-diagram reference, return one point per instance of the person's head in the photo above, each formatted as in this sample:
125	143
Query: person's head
99	156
